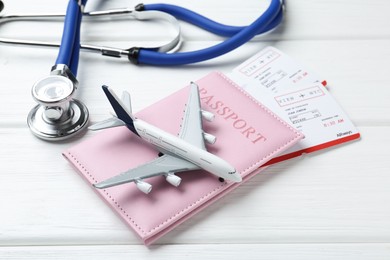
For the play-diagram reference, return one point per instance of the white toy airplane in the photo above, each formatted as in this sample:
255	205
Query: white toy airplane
185	152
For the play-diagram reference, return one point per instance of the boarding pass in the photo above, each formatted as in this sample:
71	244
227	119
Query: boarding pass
298	96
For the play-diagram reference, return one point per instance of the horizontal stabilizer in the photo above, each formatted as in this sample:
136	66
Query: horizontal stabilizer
108	123
126	101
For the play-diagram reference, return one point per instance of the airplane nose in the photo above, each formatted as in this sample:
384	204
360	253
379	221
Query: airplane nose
235	176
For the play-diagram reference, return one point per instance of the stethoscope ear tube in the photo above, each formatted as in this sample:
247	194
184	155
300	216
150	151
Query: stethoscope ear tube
203	22
271	16
171	45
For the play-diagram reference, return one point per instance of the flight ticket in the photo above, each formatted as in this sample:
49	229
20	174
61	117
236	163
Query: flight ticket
299	96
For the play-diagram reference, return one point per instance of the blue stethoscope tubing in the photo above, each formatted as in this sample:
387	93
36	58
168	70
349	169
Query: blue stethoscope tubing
70	43
205	23
69	50
239	35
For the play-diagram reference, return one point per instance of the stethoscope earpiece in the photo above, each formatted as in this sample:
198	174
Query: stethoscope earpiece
57	116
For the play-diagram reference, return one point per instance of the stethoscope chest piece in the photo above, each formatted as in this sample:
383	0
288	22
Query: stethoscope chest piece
57	116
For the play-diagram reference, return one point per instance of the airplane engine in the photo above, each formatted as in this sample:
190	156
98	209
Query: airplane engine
209	138
173	179
207	115
143	186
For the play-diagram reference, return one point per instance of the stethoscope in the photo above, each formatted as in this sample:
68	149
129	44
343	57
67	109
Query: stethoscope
59	116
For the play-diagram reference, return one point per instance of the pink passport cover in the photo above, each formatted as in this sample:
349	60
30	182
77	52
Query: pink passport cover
248	135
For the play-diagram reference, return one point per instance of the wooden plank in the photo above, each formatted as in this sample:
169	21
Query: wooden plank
204	251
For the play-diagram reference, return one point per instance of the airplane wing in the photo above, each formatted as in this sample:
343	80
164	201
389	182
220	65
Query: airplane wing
191	129
162	165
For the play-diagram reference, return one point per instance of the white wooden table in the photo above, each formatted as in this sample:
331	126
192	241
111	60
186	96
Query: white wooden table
333	204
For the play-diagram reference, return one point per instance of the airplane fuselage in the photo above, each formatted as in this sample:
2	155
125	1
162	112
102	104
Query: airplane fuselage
175	146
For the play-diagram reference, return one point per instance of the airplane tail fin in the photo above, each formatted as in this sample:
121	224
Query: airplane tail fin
122	110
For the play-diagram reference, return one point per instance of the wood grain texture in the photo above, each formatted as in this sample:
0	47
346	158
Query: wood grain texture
329	205
204	251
